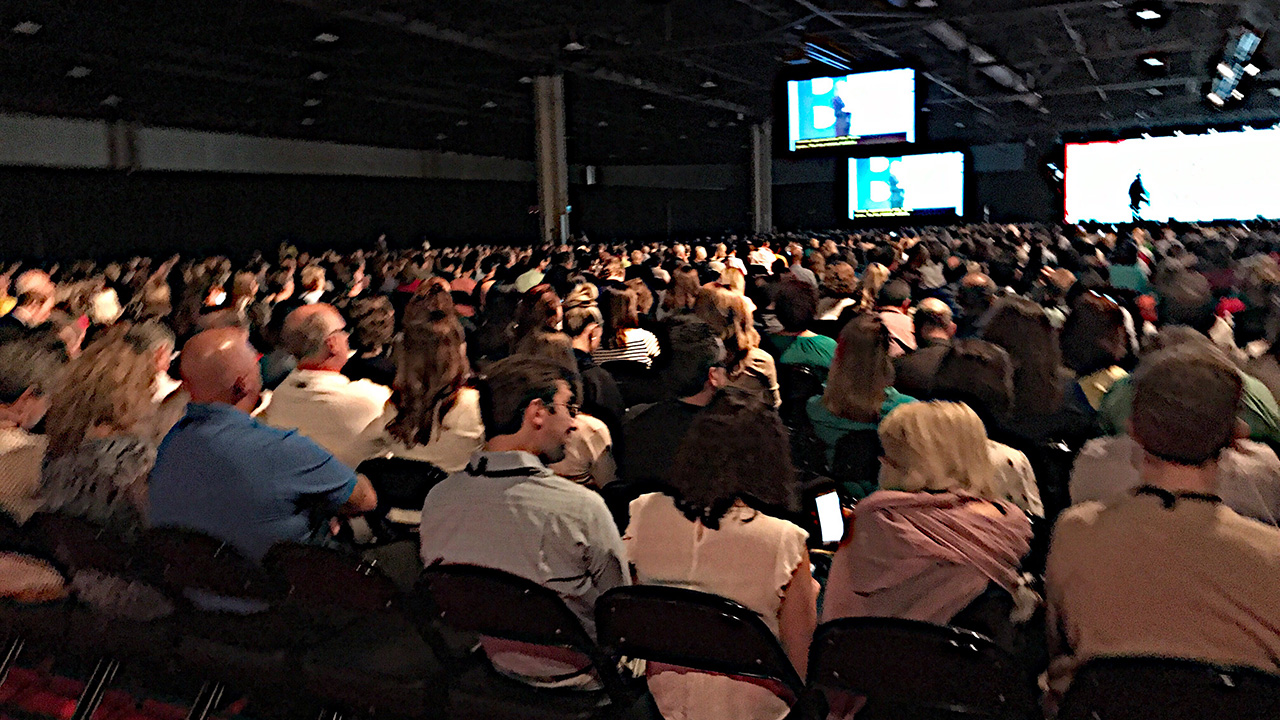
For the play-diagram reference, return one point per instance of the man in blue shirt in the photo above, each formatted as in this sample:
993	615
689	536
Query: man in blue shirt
221	472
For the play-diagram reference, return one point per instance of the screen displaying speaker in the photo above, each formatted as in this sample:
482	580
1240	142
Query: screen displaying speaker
848	110
925	185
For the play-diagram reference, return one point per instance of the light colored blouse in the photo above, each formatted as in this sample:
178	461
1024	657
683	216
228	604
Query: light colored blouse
641	346
749	559
458	436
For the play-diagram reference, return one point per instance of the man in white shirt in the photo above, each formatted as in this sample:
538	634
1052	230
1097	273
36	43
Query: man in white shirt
316	398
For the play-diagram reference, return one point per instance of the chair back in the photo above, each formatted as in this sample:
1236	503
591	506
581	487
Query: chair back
76	544
501	605
857	458
327	580
911	669
400	482
796	384
1154	688
191	560
693	629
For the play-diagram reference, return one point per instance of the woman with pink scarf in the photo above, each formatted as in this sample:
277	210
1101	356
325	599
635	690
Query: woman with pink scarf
932	538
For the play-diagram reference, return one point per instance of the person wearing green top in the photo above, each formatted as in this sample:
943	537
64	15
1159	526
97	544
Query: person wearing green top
795	306
859	392
1258	408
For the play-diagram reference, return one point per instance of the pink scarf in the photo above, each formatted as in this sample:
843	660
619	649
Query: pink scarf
923	556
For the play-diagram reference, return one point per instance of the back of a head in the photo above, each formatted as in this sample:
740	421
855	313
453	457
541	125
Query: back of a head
1094	336
932	314
840	279
1186	299
736	449
895	293
978	374
107	387
795	304
936	446
1022	329
375	322
621	312
220	366
1185	403
696	348
509	385
861	370
307	328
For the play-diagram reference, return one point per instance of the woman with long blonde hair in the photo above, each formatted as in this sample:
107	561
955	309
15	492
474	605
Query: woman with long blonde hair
100	436
873	278
933	538
747	366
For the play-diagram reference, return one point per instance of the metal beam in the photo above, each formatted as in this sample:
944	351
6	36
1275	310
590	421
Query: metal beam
462	39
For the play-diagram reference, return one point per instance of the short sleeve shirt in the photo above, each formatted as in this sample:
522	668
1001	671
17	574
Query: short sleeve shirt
221	472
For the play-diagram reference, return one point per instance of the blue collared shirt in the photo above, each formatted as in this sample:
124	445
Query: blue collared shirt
221	472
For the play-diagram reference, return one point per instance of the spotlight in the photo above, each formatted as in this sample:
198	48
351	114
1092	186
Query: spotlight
1215	99
1153	61
1148	14
1251	70
1225	71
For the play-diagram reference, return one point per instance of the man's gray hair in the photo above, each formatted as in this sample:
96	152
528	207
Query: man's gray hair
306	337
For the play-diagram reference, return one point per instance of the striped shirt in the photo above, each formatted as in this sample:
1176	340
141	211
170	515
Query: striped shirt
641	346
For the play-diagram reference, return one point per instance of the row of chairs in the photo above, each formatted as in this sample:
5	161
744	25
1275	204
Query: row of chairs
337	636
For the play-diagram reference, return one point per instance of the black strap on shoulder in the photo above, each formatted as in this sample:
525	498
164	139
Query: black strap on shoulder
1170	499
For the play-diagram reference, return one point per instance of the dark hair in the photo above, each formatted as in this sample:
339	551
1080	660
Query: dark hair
1186	299
537	310
886	255
978	374
430	369
375	323
1022	328
736	449
695	349
1093	337
795	304
894	293
509	385
621	312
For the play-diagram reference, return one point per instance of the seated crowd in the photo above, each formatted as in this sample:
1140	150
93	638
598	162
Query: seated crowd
662	413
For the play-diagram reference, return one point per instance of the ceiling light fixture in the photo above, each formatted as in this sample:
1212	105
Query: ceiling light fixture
79	71
27	27
1274	91
526	80
318	76
1148	14
442	136
709	83
326	37
602	123
574	46
1215	99
308	121
311	102
1225	71
462	123
112	100
1153	61
1251	70
646	106
489	105
1154	92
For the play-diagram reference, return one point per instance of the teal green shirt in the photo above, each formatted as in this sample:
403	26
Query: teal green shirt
830	428
815	350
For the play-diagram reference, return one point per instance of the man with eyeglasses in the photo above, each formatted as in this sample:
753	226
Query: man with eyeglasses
316	399
508	511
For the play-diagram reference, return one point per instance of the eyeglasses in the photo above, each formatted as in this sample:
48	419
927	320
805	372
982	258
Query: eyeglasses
572	408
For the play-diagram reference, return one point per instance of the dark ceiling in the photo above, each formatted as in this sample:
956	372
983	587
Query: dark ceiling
658	82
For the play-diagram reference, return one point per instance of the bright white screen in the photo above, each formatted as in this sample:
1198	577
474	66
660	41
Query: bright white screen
830	519
857	109
929	184
1193	178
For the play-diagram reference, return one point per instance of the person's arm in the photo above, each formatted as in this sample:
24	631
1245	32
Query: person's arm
363	498
798	616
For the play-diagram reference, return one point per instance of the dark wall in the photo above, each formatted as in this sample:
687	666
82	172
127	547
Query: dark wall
66	214
805	206
605	212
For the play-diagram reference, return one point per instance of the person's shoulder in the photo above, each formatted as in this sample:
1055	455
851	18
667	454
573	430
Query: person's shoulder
1249	535
1079	518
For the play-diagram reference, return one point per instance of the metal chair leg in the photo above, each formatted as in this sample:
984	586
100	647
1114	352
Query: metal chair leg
208	698
91	697
10	657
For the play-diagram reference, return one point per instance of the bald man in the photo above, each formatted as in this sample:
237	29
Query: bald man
934	330
221	472
316	399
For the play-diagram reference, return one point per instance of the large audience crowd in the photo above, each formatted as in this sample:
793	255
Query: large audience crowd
1076	428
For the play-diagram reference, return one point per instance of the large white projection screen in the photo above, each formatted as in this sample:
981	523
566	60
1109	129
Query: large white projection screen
1189	178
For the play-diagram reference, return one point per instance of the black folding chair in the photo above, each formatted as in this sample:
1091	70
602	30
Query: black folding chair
497	604
402	486
372	659
796	384
696	630
1157	688
910	670
856	459
232	630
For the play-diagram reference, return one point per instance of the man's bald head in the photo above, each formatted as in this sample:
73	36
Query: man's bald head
315	335
220	366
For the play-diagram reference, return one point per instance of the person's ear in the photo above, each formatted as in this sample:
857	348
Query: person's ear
240	388
535	414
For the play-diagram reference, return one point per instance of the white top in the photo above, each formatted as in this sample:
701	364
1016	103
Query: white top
1014	480
750	559
458	435
588	456
1248	475
641	346
327	407
21	456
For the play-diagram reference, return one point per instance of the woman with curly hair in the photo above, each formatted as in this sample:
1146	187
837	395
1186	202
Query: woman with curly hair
99	430
748	367
839	290
712	531
434	416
